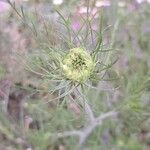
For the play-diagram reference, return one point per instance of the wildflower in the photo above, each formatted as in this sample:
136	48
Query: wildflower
78	65
72	66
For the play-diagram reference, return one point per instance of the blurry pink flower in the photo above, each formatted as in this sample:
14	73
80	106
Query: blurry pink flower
94	12
84	10
94	26
75	25
4	6
148	1
140	1
102	3
18	42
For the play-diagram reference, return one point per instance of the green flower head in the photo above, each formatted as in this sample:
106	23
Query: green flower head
78	65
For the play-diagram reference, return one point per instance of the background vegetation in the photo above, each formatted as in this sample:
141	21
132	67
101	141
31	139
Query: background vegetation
28	120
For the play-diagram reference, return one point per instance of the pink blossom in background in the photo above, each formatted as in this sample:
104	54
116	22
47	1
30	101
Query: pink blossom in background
94	26
102	3
141	1
4	7
84	10
18	42
81	11
148	1
75	25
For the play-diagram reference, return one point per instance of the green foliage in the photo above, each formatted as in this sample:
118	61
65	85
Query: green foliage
120	80
2	71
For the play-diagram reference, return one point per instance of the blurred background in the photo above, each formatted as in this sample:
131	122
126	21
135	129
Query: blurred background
131	131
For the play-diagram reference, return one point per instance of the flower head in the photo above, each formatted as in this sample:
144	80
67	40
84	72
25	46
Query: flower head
65	66
78	65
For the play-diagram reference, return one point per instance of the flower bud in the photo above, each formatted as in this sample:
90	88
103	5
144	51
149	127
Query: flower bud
78	65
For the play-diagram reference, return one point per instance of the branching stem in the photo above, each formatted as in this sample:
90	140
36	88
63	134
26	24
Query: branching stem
91	123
